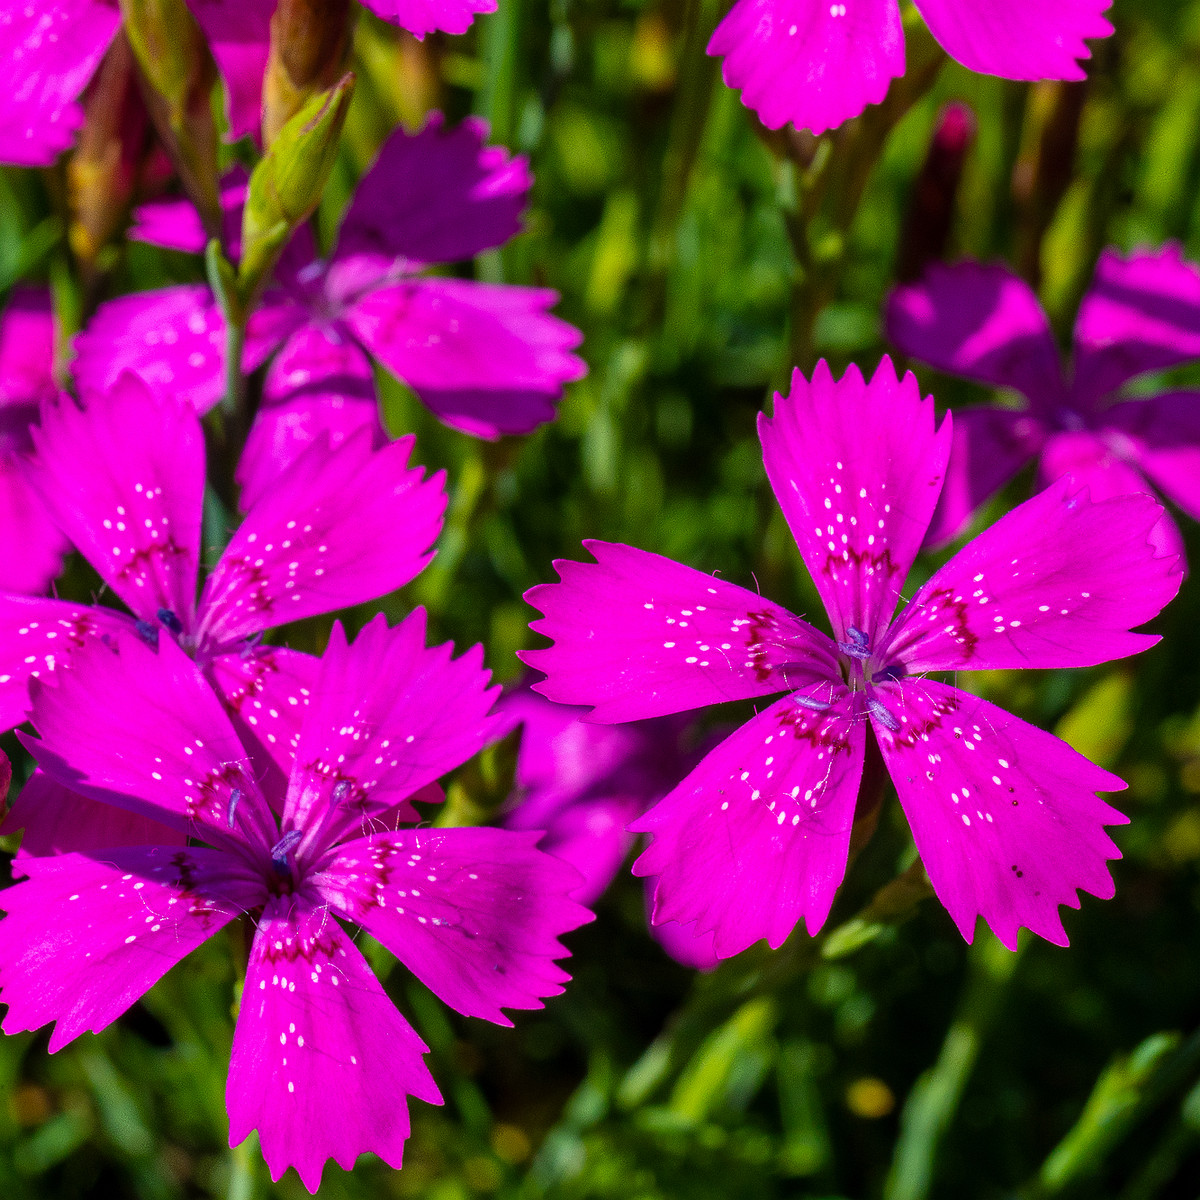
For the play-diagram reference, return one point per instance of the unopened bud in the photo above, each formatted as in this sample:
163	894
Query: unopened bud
286	185
310	43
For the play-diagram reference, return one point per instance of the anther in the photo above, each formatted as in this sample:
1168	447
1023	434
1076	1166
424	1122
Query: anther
859	645
341	790
881	713
147	632
235	797
170	621
281	849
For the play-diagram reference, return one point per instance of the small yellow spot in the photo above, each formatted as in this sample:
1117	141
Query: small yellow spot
870	1098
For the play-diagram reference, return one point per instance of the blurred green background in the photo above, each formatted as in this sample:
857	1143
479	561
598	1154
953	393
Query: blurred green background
703	259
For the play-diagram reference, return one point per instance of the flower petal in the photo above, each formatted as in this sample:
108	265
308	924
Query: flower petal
31	546
1004	815
420	17
1142	313
339	527
38	637
810	62
1057	582
266	690
982	322
57	820
317	384
637	635
475	914
26	352
239	35
757	836
681	942
1165	436
174	222
484	358
989	447
857	469
1017	39
50	50
143	730
387	716
124	478
84	938
173	339
322	1062
437	196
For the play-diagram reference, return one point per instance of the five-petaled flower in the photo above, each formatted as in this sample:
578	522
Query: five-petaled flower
817	63
193	842
1141	314
1004	815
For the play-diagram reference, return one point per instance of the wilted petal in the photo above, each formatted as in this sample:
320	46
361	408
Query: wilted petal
142	729
317	385
1142	313
990	445
38	637
239	35
50	50
57	820
427	16
1005	816
637	635
322	1062
484	358
757	836
810	62
857	469
475	914
387	717
1057	582
338	528
84	938
124	478
1018	39
982	322
173	339
437	196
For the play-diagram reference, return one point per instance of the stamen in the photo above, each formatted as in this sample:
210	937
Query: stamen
170	621
251	644
147	632
890	674
235	797
281	849
881	713
859	645
341	790
811	703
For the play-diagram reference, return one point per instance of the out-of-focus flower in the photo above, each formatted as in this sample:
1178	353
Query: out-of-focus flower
475	914
1004	816
817	63
582	784
982	322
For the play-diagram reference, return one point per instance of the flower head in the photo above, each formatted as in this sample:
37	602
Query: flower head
1141	314
757	836
124	479
485	358
475	914
817	64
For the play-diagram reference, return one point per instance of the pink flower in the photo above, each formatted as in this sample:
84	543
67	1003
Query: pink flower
124	479
817	63
1141	314
1004	815
322	1062
31	547
485	358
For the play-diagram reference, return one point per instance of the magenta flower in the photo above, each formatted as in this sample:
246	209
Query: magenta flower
31	548
1141	314
484	358
55	47
818	64
582	784
124	479
1004	815
322	1061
